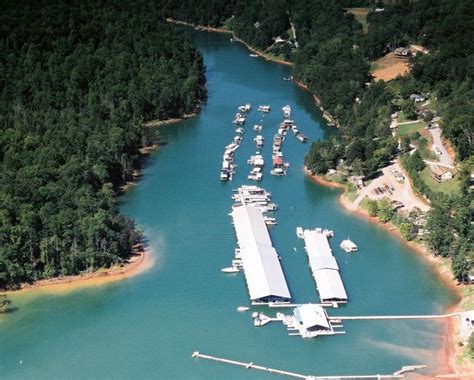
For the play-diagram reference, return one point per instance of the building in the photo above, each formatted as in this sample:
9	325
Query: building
440	174
312	320
402	52
324	267
265	280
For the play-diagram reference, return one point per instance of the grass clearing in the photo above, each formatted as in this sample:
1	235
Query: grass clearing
449	187
409	129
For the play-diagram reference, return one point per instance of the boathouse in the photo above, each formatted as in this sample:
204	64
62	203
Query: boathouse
324	267
312	318
263	273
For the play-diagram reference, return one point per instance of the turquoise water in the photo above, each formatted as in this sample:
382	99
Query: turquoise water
148	326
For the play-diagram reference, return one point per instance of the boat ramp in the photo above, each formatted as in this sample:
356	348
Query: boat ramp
323	266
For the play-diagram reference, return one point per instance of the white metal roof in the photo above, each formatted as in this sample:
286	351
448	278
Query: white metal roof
323	262
324	267
262	268
310	315
317	243
329	285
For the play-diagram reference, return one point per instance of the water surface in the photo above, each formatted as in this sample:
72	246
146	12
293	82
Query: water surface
148	326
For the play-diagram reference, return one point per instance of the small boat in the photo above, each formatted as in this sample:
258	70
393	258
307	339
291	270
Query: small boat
253	55
245	108
269	221
255	176
257	128
237	139
264	108
241	309
288	78
300	232
328	233
278	172
230	270
240	130
349	246
302	138
286	111
224	175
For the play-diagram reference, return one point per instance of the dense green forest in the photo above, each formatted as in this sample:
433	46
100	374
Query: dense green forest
77	81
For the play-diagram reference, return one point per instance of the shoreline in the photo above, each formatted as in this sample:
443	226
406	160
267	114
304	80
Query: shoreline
234	37
450	350
172	120
326	115
138	263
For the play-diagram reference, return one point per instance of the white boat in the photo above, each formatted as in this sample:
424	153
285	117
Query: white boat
257	128
245	108
349	246
270	221
241	309
255	176
230	270
237	139
278	172
253	55
264	108
328	233
224	175
239	120
302	138
299	232
288	78
240	130
286	111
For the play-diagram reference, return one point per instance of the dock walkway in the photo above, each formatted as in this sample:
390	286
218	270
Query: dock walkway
251	365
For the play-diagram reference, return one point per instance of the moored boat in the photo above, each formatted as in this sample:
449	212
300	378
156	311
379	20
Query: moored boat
349	246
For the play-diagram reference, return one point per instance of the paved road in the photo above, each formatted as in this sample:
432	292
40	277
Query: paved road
444	158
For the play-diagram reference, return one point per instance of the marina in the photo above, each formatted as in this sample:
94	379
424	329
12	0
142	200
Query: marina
184	301
323	266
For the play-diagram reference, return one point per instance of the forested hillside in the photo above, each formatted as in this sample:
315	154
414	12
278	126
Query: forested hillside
77	81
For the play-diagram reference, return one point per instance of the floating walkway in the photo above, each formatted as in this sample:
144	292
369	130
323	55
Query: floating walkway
251	365
263	273
324	267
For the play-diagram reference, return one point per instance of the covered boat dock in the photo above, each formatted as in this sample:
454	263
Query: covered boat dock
265	279
324	267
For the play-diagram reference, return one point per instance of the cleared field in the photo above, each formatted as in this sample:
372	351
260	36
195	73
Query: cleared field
389	67
409	129
361	15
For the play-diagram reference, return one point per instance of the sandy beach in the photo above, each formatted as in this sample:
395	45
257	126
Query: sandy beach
139	262
450	350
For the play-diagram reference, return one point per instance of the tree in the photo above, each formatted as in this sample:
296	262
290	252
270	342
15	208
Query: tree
385	210
372	208
409	110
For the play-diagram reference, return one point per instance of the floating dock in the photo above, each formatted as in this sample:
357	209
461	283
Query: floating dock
324	267
265	279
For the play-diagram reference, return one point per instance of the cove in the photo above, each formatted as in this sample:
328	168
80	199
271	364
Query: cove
148	326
